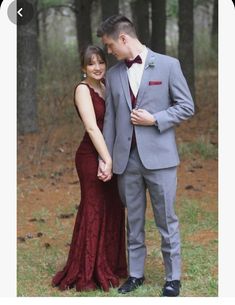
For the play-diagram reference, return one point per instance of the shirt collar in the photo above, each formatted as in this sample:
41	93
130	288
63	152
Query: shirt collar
143	54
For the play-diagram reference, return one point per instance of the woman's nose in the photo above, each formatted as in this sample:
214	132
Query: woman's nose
97	66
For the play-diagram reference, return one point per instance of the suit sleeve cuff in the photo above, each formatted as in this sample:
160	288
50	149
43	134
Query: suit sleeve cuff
159	121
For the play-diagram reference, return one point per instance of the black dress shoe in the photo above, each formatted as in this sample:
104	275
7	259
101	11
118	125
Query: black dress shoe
171	289
131	284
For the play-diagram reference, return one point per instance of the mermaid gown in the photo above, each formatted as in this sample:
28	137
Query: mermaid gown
97	255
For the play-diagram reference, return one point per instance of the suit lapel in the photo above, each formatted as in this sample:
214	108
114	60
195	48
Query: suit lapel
125	84
150	63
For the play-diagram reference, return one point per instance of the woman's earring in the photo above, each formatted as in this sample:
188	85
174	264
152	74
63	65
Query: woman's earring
84	75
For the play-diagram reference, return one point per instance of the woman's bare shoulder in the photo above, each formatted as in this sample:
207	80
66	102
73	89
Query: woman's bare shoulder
81	88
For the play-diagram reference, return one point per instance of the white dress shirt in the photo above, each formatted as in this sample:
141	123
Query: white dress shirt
135	72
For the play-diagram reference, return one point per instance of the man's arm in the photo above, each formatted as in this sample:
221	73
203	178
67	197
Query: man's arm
182	109
183	106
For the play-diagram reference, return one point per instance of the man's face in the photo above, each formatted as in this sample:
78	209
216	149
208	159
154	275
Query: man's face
117	47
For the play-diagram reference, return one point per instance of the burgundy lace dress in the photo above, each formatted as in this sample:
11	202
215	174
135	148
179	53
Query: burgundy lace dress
97	256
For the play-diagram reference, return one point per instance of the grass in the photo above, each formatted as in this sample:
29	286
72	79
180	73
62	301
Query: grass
66	210
43	213
199	250
35	261
200	146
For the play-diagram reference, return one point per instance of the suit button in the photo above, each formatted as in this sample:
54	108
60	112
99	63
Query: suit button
129	139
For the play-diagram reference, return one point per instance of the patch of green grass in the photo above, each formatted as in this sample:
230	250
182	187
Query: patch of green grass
150	225
37	264
200	258
199	262
43	213
201	147
194	216
66	209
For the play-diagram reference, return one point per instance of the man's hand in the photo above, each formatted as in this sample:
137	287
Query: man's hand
104	171
142	117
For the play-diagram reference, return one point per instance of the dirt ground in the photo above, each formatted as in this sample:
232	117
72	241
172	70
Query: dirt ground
47	178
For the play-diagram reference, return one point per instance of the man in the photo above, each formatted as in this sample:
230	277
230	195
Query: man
146	96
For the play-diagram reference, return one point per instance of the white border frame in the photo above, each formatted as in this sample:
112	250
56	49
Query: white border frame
226	162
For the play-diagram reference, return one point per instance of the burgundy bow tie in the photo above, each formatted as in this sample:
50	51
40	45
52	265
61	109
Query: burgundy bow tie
137	60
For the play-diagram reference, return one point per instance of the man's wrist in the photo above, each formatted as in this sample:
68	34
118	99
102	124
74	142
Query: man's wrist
155	121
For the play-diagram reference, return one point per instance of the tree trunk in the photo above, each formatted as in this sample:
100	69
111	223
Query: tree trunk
27	54
41	46
140	16
158	42
214	30
44	29
108	9
83	23
186	45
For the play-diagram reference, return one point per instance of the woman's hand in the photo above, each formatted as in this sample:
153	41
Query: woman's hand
105	170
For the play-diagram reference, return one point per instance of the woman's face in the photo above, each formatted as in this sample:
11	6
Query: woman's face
96	68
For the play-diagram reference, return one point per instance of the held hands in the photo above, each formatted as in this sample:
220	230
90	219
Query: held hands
104	171
142	117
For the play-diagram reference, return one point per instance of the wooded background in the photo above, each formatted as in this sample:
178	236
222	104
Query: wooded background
48	48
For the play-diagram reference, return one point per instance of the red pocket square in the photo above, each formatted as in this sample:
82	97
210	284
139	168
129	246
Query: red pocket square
154	82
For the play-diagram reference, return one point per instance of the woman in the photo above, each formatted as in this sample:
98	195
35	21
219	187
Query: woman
97	255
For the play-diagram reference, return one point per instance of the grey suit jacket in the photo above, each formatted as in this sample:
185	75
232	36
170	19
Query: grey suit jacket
164	93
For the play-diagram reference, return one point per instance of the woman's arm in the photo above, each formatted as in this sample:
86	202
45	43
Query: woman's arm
85	107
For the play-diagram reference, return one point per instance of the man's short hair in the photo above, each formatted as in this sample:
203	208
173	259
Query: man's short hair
116	24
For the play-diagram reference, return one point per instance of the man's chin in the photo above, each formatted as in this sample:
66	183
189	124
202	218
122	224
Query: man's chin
117	57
